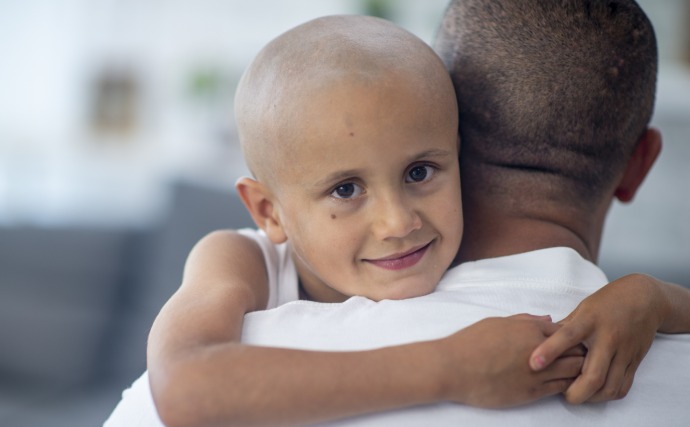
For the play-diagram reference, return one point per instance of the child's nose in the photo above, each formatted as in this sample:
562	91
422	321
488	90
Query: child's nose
395	218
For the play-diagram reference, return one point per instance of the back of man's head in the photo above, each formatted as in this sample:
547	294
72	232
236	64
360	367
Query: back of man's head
553	94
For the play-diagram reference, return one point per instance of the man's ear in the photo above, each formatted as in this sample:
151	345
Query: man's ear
259	201
639	164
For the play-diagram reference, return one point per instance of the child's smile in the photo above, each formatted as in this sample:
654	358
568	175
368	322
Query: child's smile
400	261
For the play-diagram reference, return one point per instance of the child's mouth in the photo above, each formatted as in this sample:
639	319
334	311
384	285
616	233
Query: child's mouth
401	261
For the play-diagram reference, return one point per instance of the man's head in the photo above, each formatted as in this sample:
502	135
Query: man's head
554	97
349	126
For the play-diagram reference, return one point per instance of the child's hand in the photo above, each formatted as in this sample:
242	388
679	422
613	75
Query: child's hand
488	362
617	324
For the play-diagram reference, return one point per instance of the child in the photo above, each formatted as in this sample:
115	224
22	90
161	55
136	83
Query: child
349	126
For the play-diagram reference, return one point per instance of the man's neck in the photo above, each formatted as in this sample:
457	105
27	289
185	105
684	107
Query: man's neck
494	234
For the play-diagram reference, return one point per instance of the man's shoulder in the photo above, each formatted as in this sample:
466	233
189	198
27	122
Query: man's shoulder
557	265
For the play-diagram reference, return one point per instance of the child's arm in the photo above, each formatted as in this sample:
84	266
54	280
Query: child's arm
200	374
617	324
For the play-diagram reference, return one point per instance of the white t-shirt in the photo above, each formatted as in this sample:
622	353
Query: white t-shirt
283	283
551	281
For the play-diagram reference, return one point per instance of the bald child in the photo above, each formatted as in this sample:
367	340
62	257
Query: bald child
349	127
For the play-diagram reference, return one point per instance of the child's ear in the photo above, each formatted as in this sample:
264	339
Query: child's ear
259	201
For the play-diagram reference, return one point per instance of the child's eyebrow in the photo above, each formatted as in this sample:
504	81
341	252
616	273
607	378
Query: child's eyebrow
431	153
337	176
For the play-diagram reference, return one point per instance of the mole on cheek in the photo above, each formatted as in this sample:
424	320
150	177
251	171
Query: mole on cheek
352	134
333	216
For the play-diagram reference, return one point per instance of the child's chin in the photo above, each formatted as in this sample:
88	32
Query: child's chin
411	292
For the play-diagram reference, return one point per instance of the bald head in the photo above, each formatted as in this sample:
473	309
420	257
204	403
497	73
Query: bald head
320	59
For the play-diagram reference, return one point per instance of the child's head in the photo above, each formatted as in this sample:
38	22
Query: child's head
349	126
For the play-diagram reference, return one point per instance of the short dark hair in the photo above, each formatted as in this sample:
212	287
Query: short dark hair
558	88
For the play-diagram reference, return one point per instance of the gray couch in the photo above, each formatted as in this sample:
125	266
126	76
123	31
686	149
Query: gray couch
76	305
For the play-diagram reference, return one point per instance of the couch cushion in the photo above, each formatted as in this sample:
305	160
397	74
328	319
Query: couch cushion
56	294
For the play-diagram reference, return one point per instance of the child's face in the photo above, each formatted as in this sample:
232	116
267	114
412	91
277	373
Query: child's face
371	204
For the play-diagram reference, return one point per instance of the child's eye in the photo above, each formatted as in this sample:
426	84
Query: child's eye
420	173
346	191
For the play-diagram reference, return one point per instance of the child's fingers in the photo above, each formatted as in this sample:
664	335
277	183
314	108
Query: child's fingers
546	326
578	350
619	382
527	316
552	387
563	368
627	383
568	336
615	379
593	378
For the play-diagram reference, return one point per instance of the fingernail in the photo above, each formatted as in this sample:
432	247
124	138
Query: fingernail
538	362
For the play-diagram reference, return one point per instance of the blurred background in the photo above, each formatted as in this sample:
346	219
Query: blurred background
118	152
